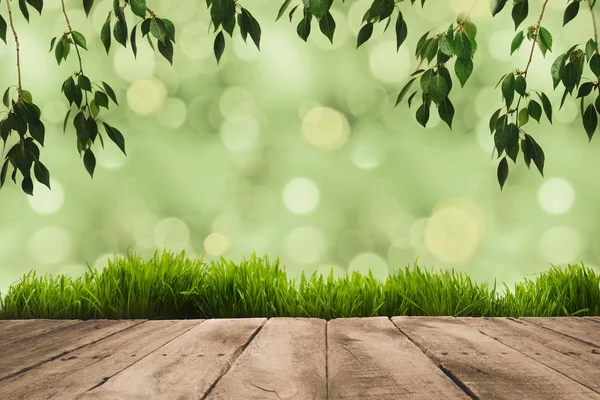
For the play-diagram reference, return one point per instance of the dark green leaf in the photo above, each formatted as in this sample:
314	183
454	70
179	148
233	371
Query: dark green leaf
110	92
158	29
37	131
497	6
222	10
166	49
535	110
547	105
595	64
590	121
138	7
327	26
508	89
521	85
27	185
557	70
422	114
87	6
133	41
3	27
537	154
42	174
219	45
318	8
585	89
516	42
446	111
502	172
462	45
493	120
437	89
79	39
520	11
570	12
89	160
404	91
254	27
364	34
463	67
116	136
545	37
282	9
401	31
101	99
105	35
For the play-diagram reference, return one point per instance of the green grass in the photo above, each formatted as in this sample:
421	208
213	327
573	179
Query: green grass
171	286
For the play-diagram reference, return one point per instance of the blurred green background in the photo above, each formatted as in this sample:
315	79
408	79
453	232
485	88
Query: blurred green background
296	151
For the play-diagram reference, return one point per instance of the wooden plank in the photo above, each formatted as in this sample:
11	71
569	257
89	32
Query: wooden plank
488	368
368	358
14	330
27	353
578	361
83	369
578	328
185	368
595	319
286	360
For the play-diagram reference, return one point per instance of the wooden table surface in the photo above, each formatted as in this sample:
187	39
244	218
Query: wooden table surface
377	358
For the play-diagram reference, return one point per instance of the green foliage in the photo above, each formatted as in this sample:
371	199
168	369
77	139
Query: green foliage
436	52
170	286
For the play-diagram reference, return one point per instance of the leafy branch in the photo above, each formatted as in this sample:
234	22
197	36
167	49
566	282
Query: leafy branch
443	56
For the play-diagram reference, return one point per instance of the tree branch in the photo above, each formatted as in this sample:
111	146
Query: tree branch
594	23
466	17
12	26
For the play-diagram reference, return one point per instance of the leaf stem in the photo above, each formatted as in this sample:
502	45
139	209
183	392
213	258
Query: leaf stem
591	3
12	26
535	36
64	10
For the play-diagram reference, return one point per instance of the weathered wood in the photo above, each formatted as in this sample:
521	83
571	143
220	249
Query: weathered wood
578	328
32	351
578	361
83	369
368	358
185	368
286	360
595	319
13	330
490	369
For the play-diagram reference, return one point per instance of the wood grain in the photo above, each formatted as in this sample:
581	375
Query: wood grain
14	330
185	368
286	360
32	351
578	328
81	370
490	369
578	361
368	358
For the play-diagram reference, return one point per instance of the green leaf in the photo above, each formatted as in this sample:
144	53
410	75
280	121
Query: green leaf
585	89
87	6
590	48
24	10
66	120
508	89
570	12
536	153
493	120
404	91
521	85
535	110
94	109
120	33
158	29
502	172
595	64
79	39
520	11
101	99
42	174
116	136
462	45
422	114
364	34
171	29
219	45
84	83
3	173
166	49
138	7
303	28
37	130
437	89
37	4
382	9
27	185
463	67
590	121
523	117
6	97
105	35
557	70
222	10
497	6
110	92
571	76
3	27
546	38
318	8
253	26
516	42
547	105
327	26
282	9
401	31
446	111
89	160
133	41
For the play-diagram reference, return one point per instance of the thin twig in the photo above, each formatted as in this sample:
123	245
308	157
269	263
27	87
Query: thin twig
535	36
594	23
12	26
462	21
64	10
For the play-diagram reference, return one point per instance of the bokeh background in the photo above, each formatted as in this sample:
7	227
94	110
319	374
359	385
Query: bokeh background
296	151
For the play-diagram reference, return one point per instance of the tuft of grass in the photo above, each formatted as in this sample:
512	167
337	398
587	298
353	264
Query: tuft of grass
172	286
